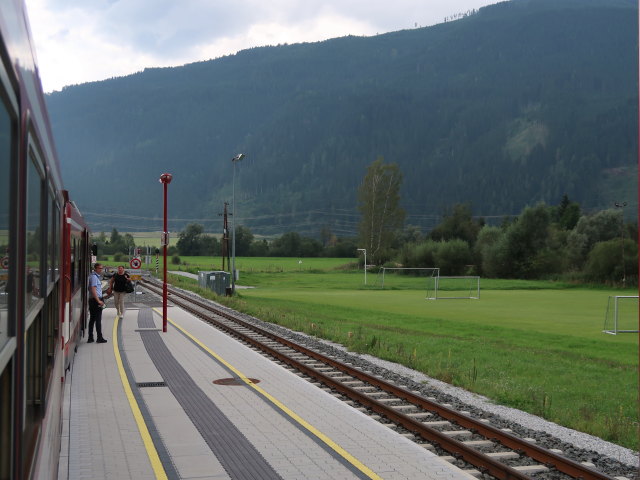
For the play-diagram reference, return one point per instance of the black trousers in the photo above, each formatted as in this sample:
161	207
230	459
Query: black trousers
95	317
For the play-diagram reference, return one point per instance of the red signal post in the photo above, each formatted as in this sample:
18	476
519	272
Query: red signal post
165	179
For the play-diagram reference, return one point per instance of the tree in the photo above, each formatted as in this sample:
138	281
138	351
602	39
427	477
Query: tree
189	239
567	214
525	239
343	247
244	239
310	247
458	224
452	256
325	235
115	237
416	255
604	262
119	243
411	234
209	245
600	227
287	245
379	205
128	242
490	248
259	248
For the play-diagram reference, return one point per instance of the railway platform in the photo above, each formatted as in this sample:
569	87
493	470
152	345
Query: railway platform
193	403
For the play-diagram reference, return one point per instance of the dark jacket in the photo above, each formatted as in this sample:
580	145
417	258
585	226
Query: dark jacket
120	282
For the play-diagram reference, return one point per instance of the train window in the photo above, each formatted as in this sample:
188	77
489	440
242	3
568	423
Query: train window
52	323
52	304
51	231
7	130
55	240
33	235
74	266
77	271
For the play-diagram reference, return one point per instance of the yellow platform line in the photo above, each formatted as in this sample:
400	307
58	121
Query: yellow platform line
152	453
290	413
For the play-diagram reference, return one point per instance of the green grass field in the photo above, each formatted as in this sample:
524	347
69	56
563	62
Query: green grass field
533	345
152	239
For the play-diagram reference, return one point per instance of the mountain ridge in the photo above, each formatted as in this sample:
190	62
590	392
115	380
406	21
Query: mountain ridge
521	102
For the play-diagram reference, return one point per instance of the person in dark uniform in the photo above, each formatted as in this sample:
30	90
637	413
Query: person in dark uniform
96	304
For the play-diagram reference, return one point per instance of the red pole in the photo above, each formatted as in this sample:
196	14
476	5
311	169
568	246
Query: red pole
165	179
164	254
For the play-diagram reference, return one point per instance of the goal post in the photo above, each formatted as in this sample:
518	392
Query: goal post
453	287
428	272
621	315
437	286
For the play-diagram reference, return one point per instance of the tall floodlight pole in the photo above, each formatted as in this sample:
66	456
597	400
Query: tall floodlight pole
365	263
165	180
234	160
621	206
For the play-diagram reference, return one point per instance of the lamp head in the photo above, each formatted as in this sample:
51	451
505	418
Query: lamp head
238	157
166	178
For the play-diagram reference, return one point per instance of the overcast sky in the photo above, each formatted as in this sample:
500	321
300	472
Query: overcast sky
80	41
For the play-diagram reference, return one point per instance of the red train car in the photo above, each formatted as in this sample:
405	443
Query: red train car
44	254
76	265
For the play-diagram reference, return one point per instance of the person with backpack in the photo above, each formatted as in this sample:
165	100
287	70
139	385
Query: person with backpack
118	285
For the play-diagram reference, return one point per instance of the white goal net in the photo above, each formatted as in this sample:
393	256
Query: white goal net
453	287
437	286
391	277
621	315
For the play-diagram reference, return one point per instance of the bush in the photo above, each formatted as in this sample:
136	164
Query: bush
453	256
421	255
175	260
604	263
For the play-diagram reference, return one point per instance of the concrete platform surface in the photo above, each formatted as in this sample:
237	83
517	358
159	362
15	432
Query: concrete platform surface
180	405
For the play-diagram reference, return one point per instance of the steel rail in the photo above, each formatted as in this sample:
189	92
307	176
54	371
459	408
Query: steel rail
459	449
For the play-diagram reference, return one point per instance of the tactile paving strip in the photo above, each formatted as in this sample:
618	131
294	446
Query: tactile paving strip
235	453
168	465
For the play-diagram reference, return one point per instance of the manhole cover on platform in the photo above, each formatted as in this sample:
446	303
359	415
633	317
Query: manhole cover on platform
233	381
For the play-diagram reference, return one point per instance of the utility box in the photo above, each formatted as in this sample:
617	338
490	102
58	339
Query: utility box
218	281
202	279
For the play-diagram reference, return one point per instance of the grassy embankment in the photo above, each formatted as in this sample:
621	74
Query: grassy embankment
533	345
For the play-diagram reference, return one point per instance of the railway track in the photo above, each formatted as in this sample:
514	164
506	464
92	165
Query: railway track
474	445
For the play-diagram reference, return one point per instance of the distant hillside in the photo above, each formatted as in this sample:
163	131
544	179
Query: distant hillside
519	103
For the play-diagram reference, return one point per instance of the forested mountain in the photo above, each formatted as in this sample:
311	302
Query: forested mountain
520	102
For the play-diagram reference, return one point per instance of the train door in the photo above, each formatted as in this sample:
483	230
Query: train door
76	272
8	269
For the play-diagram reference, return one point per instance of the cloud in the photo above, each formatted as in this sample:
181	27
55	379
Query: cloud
85	40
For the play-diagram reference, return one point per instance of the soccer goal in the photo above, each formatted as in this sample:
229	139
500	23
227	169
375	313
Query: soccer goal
621	315
437	286
453	287
391	275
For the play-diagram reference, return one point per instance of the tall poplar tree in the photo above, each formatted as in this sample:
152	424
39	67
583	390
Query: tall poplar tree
379	205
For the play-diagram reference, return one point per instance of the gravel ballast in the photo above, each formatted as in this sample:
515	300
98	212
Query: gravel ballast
607	457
